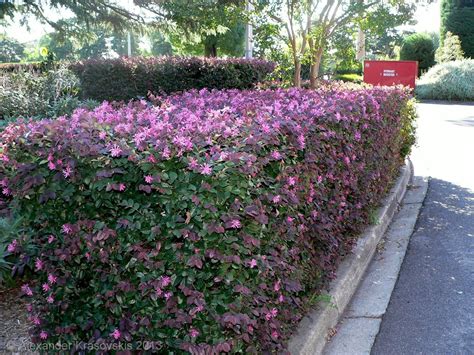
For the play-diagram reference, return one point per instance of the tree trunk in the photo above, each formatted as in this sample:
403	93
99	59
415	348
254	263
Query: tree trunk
297	75
314	68
210	49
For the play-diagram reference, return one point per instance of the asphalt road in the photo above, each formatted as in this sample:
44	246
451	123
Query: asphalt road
431	310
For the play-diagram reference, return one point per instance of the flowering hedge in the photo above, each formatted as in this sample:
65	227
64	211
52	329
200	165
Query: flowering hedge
128	78
205	222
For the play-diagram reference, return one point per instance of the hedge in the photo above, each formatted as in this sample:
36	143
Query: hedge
419	47
448	81
128	78
206	222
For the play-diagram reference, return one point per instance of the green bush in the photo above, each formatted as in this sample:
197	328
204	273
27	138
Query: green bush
457	17
128	78
352	78
448	81
450	49
419	47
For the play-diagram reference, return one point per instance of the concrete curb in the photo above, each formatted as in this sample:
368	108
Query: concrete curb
359	325
314	328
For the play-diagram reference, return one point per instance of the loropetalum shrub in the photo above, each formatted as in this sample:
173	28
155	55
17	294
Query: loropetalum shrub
128	78
206	222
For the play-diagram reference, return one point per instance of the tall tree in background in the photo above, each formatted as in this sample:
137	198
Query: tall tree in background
457	17
214	22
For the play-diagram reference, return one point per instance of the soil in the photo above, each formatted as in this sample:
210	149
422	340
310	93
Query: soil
14	338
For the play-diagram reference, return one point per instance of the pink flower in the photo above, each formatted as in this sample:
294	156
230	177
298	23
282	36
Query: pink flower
281	298
276	155
115	151
51	165
148	179
276	199
292	180
347	160
206	169
67	228
168	295
12	246
39	264
193	333
51	239
6	191
50	299
67	172
235	223
122	187
277	286
45	287
115	334
165	281
35	320
26	290
52	279
43	335
102	135
275	334
253	263
192	163
357	136
29	307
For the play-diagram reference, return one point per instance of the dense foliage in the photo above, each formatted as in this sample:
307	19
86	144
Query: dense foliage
419	47
457	17
206	222
127	78
448	81
32	93
450	49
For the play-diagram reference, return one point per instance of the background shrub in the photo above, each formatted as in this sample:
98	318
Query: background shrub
419	47
352	78
448	81
450	49
205	222
457	17
39	94
127	78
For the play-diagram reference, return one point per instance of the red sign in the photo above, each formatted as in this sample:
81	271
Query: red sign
390	72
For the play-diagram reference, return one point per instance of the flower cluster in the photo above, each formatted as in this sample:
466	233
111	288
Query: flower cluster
206	221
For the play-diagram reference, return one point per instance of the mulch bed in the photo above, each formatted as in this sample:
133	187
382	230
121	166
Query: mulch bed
14	338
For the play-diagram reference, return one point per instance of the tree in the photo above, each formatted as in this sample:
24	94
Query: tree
10	49
217	24
450	50
419	47
309	25
120	43
457	17
85	13
160	45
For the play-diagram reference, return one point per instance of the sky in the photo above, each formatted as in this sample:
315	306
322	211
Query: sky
428	18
